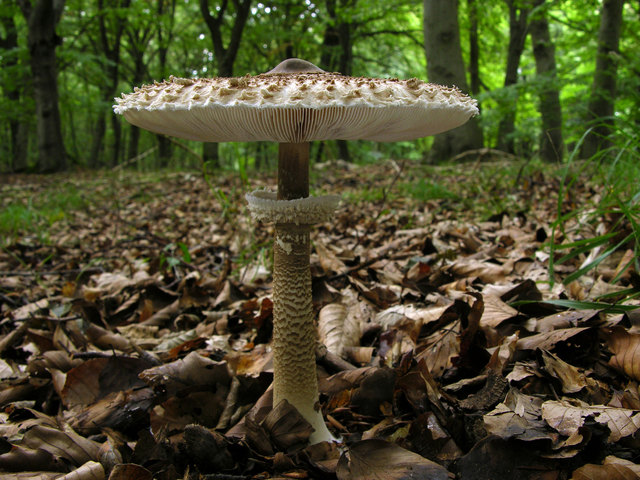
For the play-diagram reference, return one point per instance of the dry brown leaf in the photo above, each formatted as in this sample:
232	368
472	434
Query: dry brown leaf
613	468
106	340
442	347
568	319
115	410
495	311
548	340
518	416
30	309
129	471
98	377
328	260
337	329
31	476
486	271
626	349
18	458
380	460
566	418
68	445
175	413
185	373
88	471
570	377
287	428
163	315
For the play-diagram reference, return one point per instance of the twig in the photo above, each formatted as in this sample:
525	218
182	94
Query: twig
135	159
31	273
14	337
369	262
385	191
230	405
184	147
336	363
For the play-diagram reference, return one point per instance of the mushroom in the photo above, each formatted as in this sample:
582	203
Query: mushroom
294	104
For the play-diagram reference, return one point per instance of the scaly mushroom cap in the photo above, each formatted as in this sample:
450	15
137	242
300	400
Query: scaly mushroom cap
296	102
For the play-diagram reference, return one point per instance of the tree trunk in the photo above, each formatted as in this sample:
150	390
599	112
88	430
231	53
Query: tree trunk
138	44
42	18
517	37
18	128
165	150
225	57
111	42
211	155
551	143
96	141
603	90
337	54
445	66
474	50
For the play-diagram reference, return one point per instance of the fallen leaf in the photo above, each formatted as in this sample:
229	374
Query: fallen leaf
379	460
626	349
570	377
337	329
567	418
613	468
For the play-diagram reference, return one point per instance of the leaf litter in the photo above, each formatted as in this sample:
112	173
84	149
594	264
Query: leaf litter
135	339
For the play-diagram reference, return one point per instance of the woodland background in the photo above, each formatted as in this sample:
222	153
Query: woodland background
551	76
477	292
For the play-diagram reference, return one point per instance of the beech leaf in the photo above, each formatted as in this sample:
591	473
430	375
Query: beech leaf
626	349
379	460
567	418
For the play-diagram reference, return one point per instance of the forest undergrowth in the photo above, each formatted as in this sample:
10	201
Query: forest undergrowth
478	320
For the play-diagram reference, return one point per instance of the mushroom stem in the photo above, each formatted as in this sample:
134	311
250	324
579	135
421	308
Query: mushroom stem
293	171
294	332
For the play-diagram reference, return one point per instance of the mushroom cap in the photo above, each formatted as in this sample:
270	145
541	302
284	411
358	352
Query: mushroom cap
296	102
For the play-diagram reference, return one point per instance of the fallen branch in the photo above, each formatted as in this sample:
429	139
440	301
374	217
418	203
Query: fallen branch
140	156
33	273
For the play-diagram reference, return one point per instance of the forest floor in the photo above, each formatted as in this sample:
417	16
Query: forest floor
135	321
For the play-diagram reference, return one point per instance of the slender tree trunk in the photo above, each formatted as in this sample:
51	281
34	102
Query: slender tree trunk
517	37
337	53
138	45
551	143
96	140
445	66
603	90
18	128
165	150
225	57
165	147
474	49
134	142
42	19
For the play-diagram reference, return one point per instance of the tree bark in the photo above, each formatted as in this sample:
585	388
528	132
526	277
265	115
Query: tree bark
517	37
139	38
337	51
551	142
225	57
445	66
42	19
110	36
603	90
474	49
18	128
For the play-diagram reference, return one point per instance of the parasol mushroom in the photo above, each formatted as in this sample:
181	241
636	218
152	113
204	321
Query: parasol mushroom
294	104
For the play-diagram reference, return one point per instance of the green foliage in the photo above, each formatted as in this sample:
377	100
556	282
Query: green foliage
614	218
163	38
425	190
36	215
173	254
